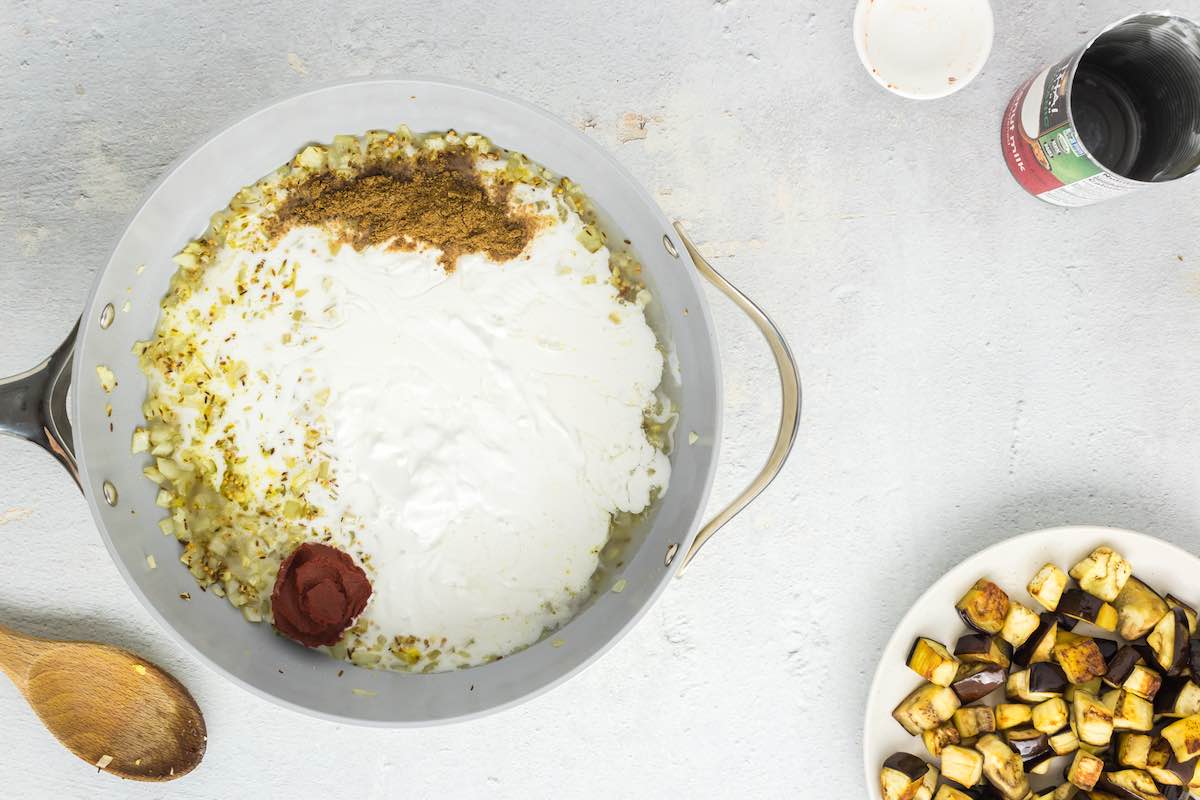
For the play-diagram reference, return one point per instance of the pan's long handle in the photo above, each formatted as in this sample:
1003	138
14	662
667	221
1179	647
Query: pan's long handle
33	405
789	383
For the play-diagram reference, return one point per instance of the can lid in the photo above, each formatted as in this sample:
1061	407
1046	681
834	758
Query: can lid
923	50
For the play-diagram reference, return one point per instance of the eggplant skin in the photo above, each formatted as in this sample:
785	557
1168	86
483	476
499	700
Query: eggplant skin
1121	665
1038	646
1047	678
977	682
1179	696
902	776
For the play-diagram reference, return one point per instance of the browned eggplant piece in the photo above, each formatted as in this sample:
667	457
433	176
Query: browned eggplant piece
1176	793
984	607
1092	719
1158	760
979	648
971	721
1184	737
1013	715
1169	641
1131	784
1178	697
1047	586
938	739
1064	743
1133	749
1080	659
1038	646
902	776
1085	770
1104	573
962	765
948	792
1066	623
977	681
1189	612
1144	682
1031	745
1130	712
1051	716
1003	768
1139	608
932	661
1188	772
1121	665
1019	625
1078	604
928	706
1194	656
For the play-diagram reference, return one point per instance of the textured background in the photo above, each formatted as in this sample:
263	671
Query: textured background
976	364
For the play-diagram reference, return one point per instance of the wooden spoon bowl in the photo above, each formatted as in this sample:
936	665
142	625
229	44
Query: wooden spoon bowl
106	705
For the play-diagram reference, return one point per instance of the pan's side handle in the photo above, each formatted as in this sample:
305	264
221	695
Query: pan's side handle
33	405
789	384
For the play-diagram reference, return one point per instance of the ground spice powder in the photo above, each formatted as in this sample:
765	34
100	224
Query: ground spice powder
437	201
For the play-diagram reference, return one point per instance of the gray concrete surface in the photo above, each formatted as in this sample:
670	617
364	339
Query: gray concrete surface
976	364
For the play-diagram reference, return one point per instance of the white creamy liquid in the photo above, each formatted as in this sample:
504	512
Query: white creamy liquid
482	425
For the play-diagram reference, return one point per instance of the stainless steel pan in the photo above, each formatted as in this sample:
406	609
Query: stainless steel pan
94	446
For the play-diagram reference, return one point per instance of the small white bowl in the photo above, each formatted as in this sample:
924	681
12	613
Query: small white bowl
923	49
1010	564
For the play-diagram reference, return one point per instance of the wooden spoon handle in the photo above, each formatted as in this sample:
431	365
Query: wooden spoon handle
17	654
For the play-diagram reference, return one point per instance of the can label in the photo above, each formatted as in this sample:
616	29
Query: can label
1043	150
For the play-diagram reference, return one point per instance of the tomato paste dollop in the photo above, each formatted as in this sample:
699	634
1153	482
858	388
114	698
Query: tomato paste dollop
318	592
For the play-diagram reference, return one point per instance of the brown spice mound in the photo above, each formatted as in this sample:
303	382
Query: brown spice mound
437	201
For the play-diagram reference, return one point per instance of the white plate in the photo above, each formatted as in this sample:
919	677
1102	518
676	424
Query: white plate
1010	564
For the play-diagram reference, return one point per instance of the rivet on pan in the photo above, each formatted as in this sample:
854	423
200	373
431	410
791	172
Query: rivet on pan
110	493
672	549
107	315
670	246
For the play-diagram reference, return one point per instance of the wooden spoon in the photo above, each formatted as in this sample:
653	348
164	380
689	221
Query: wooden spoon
114	710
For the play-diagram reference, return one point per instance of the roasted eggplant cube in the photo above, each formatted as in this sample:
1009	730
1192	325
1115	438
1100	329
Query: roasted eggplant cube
1189	611
1067	791
1003	768
1064	743
984	607
1036	684
1144	682
1139	608
1051	716
1130	712
1039	645
979	648
1013	715
933	662
1085	770
902	776
1121	665
1133	749
1169	641
1047	586
1019	625
1079	605
1178	697
973	720
1093	720
1081	660
1131	783
977	681
962	765
1094	686
1104	573
1030	744
1159	759
928	706
1184	737
938	739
